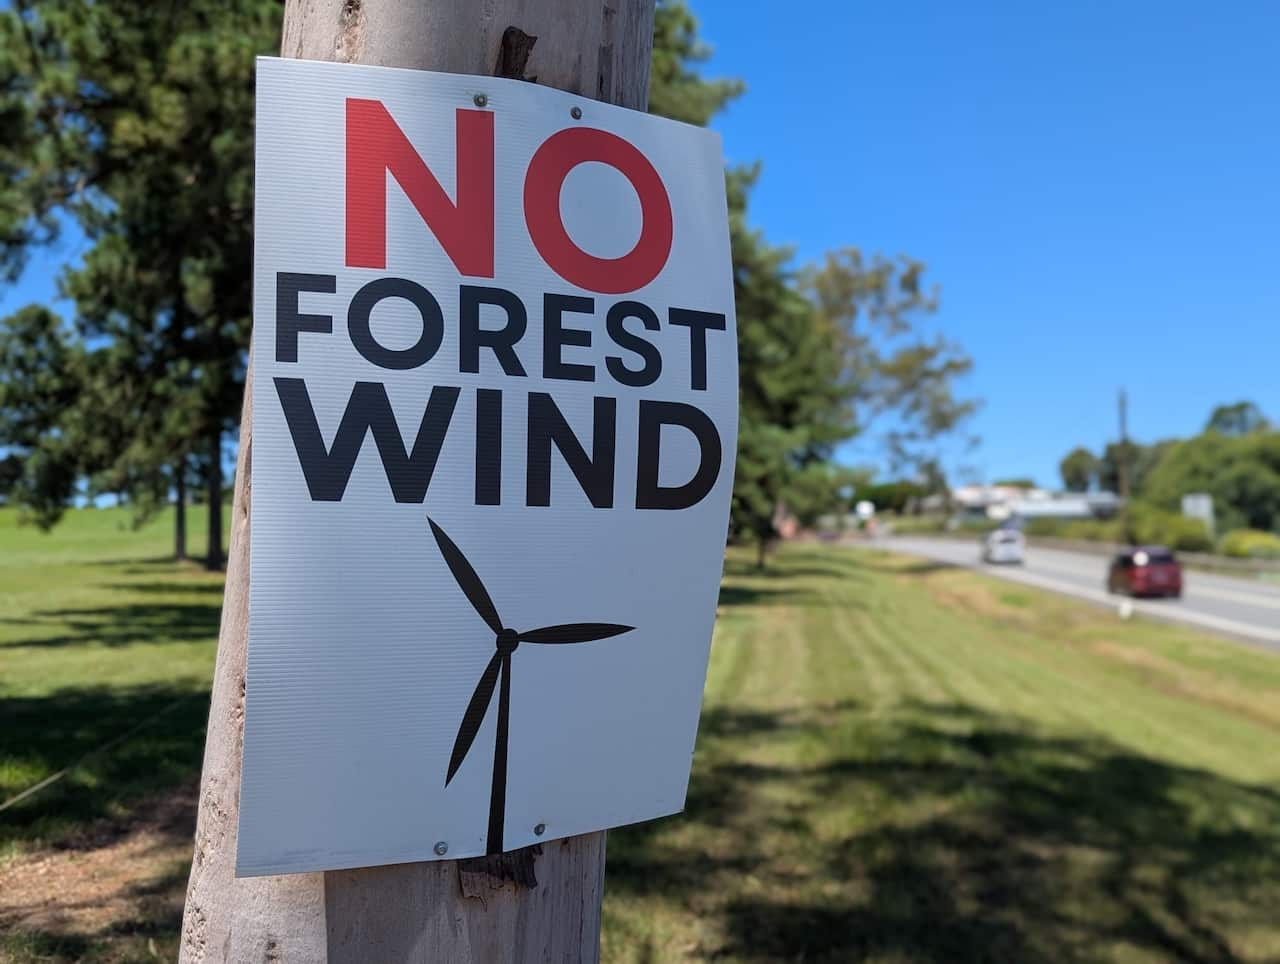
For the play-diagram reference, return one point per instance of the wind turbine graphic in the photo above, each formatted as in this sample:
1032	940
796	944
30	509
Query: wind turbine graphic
499	669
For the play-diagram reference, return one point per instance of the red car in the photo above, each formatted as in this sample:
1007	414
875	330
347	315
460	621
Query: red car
1145	571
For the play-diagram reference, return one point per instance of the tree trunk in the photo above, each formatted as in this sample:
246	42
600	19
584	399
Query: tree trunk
180	510
460	911
213	560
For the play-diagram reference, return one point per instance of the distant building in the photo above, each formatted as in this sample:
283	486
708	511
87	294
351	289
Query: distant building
999	502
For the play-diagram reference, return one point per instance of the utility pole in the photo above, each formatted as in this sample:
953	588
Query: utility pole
538	904
1122	467
1124	444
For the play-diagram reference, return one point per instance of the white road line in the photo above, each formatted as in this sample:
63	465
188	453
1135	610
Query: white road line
1195	586
1181	614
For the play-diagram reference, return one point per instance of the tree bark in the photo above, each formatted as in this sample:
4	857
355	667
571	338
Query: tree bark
482	910
180	510
213	560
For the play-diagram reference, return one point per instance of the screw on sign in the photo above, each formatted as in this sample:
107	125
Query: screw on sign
499	668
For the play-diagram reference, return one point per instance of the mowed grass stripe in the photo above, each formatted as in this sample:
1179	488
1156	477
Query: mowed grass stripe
1019	666
906	682
1085	691
871	680
832	668
1095	692
911	626
912	652
1089	689
1008	677
1040	676
1006	680
857	668
892	766
986	731
918	624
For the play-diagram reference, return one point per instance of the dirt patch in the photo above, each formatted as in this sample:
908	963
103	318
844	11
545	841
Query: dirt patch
960	591
1020	606
1157	666
1167	677
118	881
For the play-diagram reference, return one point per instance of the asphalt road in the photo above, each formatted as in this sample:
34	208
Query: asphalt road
1239	608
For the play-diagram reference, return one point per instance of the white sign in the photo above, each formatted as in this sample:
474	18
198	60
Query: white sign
494	424
1199	505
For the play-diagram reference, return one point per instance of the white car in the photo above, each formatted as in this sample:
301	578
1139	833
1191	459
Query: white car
1004	546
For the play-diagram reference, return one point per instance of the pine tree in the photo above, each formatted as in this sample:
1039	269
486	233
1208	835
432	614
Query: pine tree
135	123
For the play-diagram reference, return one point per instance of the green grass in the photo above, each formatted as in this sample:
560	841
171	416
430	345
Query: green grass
99	632
897	762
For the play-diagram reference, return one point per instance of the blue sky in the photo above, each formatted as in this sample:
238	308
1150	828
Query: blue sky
1096	187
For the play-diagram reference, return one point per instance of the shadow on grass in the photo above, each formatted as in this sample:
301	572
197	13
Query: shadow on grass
40	736
790	579
139	564
123	625
916	567
176	587
43	946
797	562
734	595
970	837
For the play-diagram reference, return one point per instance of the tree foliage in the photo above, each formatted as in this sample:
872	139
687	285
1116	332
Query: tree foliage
42	370
792	403
1079	469
1020	482
1239	418
676	89
894	497
1236	460
134	123
1241	472
793	396
893	372
824	488
1140	460
1250	544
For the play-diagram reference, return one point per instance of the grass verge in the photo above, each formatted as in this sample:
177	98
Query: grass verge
897	762
904	762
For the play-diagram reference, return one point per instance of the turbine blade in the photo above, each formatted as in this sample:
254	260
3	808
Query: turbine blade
474	715
467	579
574	633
